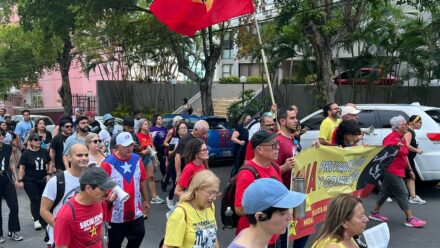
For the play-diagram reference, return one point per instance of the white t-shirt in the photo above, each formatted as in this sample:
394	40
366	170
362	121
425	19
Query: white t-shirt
8	138
50	192
255	128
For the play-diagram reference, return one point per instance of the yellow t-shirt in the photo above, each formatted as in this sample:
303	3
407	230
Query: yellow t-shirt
195	229
329	241
327	127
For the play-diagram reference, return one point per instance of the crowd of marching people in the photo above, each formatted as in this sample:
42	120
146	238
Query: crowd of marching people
92	187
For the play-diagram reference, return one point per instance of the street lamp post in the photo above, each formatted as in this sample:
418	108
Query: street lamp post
243	80
174	82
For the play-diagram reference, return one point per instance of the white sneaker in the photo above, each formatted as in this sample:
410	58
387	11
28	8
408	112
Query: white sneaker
389	199
37	225
416	200
170	203
157	200
14	236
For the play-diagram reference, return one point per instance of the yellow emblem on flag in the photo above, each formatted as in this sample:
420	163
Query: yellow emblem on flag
208	3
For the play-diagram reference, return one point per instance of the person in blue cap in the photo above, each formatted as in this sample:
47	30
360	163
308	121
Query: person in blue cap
266	204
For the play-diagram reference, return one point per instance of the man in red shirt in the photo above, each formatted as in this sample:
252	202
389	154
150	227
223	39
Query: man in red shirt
79	221
288	123
393	183
266	148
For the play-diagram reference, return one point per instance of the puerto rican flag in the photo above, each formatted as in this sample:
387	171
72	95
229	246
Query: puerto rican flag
127	174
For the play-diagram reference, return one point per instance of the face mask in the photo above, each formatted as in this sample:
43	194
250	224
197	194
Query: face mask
110	128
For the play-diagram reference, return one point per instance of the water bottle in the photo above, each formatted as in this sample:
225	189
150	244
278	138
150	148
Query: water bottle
229	219
299	185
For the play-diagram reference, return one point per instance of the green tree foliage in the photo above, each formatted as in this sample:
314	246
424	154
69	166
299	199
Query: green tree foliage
23	56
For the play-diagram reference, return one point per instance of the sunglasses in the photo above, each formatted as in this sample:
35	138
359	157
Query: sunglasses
96	141
68	126
36	139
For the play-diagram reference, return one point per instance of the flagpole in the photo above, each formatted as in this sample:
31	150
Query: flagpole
263	55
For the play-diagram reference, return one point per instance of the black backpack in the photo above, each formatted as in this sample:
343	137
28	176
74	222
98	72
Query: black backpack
61	187
228	200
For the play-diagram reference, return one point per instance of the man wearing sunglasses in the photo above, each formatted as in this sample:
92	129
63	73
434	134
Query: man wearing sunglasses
79	137
79	222
57	145
331	113
266	148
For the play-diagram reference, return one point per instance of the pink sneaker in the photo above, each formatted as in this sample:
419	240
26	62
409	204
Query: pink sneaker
415	222
378	217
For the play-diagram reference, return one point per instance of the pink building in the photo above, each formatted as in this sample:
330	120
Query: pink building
79	84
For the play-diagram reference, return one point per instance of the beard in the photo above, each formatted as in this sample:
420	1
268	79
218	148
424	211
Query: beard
84	129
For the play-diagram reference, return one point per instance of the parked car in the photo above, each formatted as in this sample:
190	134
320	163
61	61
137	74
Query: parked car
118	124
378	116
365	76
50	125
219	136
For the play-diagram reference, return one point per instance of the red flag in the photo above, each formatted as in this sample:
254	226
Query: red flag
188	16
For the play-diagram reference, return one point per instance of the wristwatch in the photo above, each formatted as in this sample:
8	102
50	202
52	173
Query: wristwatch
20	180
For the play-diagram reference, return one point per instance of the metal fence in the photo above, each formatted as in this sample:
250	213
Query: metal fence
85	102
163	98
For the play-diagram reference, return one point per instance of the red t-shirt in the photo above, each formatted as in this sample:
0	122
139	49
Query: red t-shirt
83	230
244	179
188	173
249	152
398	165
287	150
145	140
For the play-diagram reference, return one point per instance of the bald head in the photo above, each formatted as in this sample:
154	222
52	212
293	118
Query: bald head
78	157
75	148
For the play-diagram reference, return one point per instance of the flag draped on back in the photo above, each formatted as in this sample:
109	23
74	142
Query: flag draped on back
188	16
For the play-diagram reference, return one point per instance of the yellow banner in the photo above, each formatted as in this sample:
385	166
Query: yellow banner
328	171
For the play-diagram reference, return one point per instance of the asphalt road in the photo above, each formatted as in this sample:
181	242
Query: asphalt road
401	236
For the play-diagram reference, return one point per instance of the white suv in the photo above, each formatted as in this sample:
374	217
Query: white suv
378	116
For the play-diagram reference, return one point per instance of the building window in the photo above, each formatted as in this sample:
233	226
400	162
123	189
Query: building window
226	71
227	46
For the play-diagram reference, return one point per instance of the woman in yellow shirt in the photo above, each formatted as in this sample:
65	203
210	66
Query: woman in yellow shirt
192	223
344	219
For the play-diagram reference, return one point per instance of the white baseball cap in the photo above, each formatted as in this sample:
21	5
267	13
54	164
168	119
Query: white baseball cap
124	139
350	110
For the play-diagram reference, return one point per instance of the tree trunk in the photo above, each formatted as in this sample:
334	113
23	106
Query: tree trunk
65	60
206	97
326	87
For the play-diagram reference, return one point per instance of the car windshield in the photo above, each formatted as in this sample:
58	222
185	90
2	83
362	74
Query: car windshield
217	123
434	114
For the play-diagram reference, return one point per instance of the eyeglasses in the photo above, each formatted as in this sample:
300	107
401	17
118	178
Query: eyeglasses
36	139
213	194
274	145
1	135
269	125
203	150
96	141
68	126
